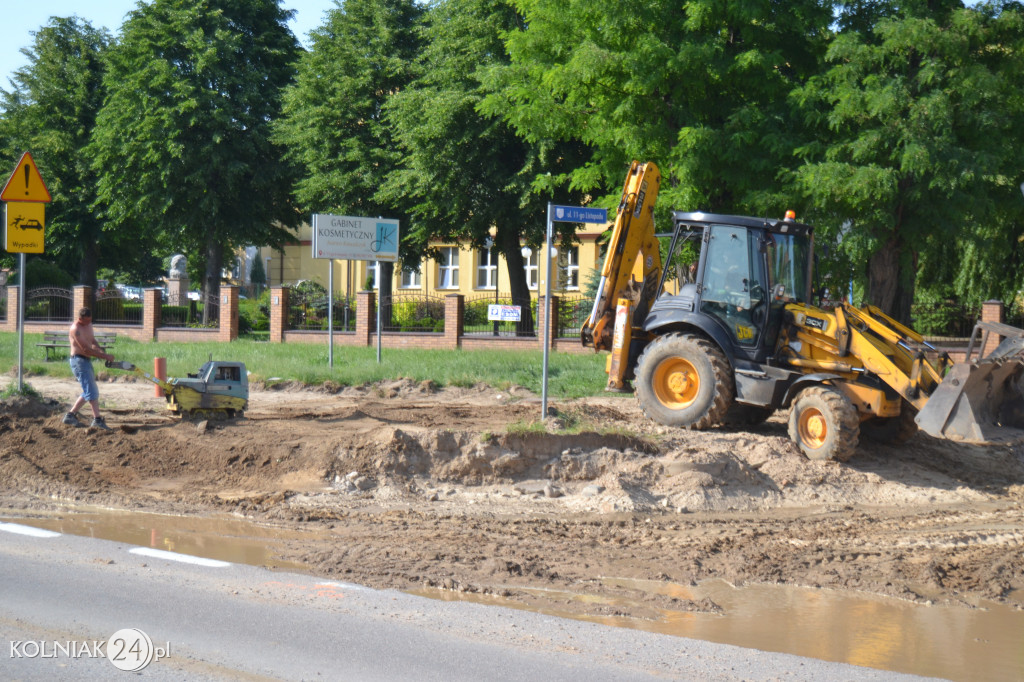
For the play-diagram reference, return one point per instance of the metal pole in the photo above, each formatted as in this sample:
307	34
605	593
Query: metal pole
547	317
377	278
330	313
21	322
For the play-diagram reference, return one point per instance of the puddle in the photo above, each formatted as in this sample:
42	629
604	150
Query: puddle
956	643
232	540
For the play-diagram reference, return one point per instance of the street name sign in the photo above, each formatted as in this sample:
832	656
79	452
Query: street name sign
578	214
354	238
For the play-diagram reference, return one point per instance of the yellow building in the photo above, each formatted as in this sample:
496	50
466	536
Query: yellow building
459	269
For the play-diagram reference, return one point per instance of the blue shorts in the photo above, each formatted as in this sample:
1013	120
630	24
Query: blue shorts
82	368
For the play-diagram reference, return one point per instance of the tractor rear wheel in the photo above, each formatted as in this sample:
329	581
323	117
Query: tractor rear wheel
684	381
824	424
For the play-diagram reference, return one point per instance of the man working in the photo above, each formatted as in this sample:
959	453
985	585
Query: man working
83	348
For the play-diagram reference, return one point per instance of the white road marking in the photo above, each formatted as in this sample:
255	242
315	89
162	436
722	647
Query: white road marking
183	558
28	530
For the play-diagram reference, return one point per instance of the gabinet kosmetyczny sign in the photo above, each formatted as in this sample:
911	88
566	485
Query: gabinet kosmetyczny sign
354	238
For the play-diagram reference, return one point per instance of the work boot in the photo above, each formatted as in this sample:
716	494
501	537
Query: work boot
71	419
100	424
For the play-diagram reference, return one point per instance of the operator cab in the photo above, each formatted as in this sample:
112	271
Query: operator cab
746	270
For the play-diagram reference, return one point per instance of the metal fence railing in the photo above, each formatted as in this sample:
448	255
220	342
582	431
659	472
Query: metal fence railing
406	312
111	307
48	304
572	313
475	322
202	312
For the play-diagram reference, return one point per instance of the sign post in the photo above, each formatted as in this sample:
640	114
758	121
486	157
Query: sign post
24	231
559	214
353	238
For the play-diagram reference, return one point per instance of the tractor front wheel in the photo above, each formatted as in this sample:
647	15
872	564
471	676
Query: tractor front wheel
824	424
684	381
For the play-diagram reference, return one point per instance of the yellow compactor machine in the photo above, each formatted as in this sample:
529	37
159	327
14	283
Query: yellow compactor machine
740	339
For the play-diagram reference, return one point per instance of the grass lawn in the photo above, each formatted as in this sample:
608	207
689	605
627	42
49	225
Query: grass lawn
570	375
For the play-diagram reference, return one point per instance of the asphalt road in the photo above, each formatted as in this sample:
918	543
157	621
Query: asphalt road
61	595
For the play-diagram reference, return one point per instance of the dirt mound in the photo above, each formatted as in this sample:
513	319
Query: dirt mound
472	493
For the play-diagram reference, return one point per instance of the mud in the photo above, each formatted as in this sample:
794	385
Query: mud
406	486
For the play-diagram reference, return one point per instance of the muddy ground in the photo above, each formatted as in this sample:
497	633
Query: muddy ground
408	487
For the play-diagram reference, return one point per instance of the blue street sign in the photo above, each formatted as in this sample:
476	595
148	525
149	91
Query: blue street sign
578	214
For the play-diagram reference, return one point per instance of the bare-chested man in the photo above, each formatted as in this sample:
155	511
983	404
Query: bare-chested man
83	349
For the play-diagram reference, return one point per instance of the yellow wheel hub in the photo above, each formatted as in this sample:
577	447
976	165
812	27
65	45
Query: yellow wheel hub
676	383
813	427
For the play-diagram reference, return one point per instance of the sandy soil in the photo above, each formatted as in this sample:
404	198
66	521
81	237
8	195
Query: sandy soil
460	489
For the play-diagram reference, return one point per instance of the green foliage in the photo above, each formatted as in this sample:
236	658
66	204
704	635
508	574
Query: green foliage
254	314
26	391
44	273
258	275
51	111
418	315
919	125
700	88
182	143
332	124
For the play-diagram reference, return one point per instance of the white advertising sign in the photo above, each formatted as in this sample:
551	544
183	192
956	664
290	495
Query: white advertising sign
354	238
504	313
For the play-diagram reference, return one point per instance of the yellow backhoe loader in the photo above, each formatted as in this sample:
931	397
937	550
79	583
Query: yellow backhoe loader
739	339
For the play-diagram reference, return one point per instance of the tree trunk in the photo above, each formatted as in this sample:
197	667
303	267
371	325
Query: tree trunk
891	274
89	264
211	279
385	291
518	285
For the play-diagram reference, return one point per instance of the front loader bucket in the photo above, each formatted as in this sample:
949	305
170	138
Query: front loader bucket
978	402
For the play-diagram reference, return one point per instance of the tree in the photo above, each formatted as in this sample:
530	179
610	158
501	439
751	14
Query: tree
920	128
700	88
467	171
51	111
332	124
182	144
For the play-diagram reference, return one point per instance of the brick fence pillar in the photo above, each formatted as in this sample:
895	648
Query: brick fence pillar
11	323
454	315
543	328
992	311
228	329
366	317
279	296
81	297
152	311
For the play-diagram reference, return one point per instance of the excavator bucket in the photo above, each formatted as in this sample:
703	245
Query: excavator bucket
980	402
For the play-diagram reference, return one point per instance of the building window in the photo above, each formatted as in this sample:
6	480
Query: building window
448	268
530	266
487	269
569	268
372	271
411	278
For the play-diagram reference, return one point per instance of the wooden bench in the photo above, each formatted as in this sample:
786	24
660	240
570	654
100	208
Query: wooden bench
56	340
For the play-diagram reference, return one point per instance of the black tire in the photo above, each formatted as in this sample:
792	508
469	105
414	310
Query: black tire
824	424
747	415
684	381
891	430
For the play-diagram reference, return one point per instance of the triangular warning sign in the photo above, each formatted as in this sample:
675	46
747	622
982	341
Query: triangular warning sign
25	183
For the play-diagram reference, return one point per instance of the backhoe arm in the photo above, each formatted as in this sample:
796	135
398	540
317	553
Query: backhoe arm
632	266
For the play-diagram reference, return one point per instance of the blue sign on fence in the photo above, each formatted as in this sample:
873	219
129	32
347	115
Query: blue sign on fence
578	214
